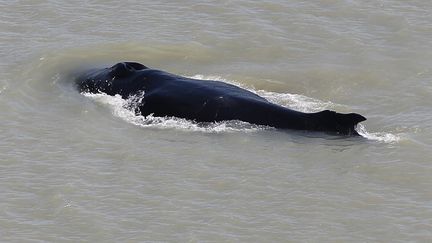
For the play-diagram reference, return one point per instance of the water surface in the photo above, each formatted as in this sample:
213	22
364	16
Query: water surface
82	168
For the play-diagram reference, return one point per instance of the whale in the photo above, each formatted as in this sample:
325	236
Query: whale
169	95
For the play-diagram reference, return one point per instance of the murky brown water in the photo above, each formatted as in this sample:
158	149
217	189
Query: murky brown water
77	168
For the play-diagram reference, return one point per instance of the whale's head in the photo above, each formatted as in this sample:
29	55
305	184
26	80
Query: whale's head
102	80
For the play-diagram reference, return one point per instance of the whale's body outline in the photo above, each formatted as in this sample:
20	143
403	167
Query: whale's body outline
167	94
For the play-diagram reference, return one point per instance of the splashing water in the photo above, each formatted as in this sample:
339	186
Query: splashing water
377	136
292	101
126	109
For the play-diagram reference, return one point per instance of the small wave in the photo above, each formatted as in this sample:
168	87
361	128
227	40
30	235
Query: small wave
377	136
125	109
296	101
2	89
292	101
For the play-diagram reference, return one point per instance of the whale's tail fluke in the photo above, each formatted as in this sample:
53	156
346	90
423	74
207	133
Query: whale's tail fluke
332	121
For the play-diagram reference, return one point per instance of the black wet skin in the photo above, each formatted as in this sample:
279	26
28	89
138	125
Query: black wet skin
167	94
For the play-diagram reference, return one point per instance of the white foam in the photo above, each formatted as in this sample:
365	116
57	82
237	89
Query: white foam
125	109
292	101
377	136
296	101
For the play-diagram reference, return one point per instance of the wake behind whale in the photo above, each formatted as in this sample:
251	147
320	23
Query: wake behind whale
169	95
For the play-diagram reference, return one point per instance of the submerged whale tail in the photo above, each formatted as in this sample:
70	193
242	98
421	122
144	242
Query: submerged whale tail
336	122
